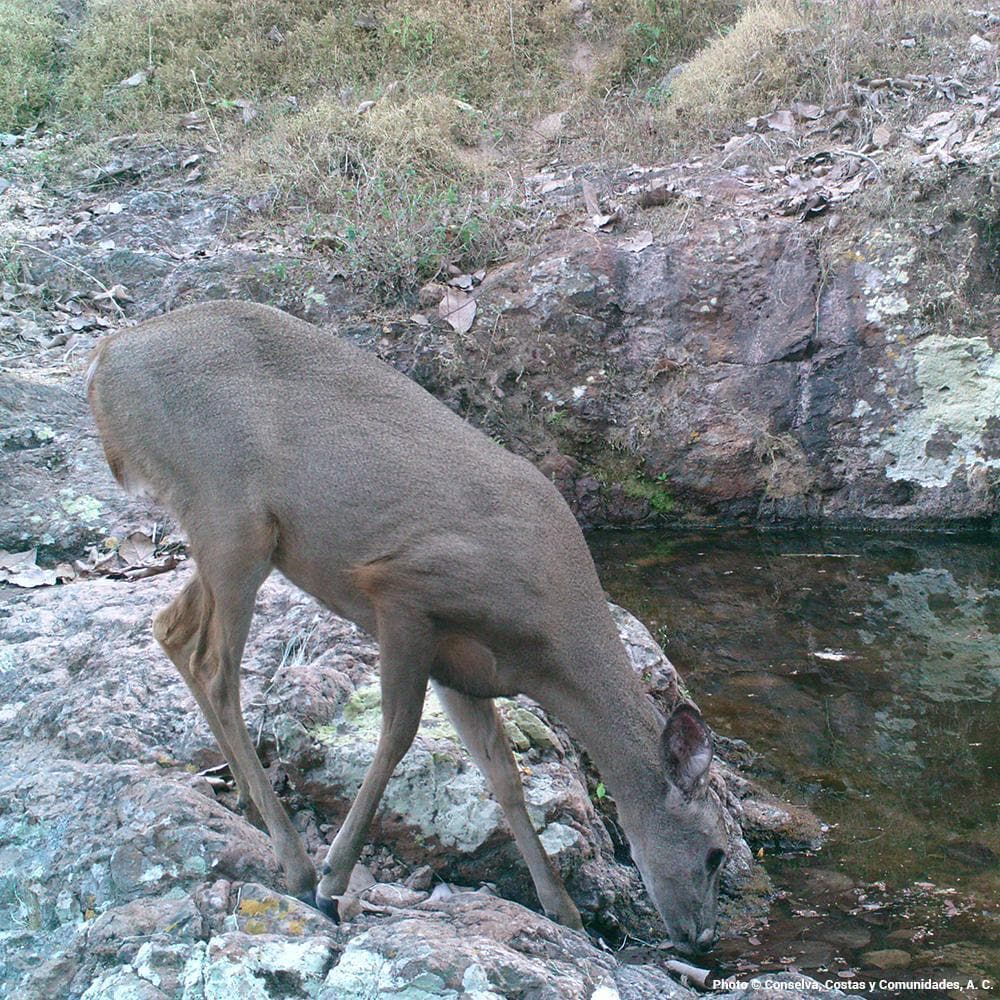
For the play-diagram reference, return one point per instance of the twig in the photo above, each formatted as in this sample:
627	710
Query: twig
513	44
204	104
695	975
76	267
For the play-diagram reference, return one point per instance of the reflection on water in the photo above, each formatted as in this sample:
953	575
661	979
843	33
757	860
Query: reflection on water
865	669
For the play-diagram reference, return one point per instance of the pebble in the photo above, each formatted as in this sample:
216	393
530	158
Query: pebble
888	958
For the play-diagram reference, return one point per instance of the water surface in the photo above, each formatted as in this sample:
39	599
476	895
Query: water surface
865	670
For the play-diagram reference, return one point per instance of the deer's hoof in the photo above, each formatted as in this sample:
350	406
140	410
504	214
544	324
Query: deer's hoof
325	905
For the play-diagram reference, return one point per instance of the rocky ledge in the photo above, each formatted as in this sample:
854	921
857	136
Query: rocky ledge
130	874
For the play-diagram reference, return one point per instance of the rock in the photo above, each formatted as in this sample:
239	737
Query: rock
56	492
785	826
468	944
829	881
887	958
726	373
393	894
260	910
847	936
116	844
421	879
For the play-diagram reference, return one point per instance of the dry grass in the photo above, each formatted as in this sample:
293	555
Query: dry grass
785	50
261	49
396	193
643	38
28	60
416	182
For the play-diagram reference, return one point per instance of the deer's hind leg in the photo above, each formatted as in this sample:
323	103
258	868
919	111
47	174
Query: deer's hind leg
204	632
176	628
479	725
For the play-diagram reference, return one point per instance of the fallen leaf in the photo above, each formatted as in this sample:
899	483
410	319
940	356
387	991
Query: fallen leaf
194	120
590	198
936	119
19	569
458	309
555	184
136	548
811	111
780	121
135	80
17	561
637	243
605	221
883	137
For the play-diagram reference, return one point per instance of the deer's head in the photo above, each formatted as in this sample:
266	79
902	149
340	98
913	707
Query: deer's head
679	843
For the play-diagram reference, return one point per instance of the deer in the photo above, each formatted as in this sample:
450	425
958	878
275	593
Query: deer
279	446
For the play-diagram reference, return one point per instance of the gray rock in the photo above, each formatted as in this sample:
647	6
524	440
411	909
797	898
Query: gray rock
471	945
113	845
56	492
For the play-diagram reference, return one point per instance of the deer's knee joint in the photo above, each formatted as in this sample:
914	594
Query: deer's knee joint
165	629
206	669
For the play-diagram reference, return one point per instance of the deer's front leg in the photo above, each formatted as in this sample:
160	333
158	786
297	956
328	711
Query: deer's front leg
405	655
479	725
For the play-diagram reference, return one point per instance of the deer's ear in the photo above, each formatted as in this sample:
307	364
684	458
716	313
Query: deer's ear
687	748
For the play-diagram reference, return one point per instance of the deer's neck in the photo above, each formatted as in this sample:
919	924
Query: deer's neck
607	709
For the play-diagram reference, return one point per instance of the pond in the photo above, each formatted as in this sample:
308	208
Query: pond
864	669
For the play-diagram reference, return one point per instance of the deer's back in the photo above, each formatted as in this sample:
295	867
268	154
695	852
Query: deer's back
240	408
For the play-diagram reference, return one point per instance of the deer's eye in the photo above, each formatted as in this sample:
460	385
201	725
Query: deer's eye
714	860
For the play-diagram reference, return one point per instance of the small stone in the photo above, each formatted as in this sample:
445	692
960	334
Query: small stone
831	881
393	894
421	879
887	958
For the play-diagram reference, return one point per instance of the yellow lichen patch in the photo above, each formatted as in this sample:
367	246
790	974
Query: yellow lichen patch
257	907
295	927
255	927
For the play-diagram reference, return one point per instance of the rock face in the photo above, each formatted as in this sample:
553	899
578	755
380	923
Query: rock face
728	365
734	371
55	491
128	873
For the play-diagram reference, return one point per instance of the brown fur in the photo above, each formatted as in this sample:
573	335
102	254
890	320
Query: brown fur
280	446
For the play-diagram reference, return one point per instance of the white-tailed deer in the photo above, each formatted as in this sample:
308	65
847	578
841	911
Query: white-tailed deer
281	447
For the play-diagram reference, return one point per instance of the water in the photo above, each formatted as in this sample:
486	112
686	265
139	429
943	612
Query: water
865	670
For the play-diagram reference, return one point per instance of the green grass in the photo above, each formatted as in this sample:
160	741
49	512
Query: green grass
268	50
653	490
29	30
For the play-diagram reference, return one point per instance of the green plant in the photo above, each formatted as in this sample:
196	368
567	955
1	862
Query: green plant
653	490
29	60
